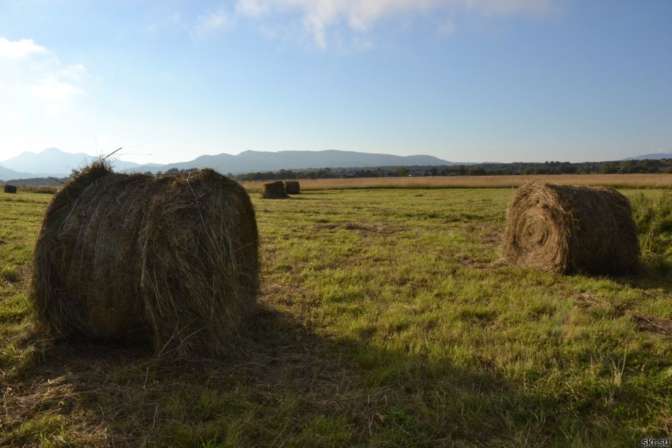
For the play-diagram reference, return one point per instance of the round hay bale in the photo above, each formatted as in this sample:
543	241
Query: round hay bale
11	189
275	190
568	229
293	187
172	260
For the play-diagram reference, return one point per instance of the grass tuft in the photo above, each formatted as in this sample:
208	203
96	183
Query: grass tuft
653	217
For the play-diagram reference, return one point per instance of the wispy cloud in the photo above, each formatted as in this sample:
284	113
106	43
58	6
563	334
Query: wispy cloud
212	22
30	74
320	15
19	49
174	20
60	85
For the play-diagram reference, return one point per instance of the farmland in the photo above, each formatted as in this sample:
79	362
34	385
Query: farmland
607	180
386	319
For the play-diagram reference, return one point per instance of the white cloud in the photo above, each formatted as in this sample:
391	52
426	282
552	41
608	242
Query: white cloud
19	49
54	90
253	8
359	15
36	79
166	22
213	22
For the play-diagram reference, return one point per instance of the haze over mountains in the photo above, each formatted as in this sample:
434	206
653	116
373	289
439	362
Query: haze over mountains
251	161
54	162
6	174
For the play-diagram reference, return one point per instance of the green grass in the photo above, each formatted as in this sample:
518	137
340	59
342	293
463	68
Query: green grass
387	320
653	215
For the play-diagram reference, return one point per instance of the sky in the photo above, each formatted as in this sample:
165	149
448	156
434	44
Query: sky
464	80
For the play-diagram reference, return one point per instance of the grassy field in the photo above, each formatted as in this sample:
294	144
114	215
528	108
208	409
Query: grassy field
387	320
607	180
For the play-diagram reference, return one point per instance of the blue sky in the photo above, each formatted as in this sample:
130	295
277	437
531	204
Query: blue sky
465	80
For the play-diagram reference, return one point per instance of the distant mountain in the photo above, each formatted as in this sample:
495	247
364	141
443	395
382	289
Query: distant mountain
53	162
657	156
253	161
7	174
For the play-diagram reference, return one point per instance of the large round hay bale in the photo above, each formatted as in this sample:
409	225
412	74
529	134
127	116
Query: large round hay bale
172	260
569	229
10	189
275	190
293	187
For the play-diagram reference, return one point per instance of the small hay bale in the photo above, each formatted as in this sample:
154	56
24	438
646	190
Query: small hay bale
293	187
172	260
11	189
567	229
275	190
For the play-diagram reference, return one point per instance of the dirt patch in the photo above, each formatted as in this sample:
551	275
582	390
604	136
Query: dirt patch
381	229
486	234
491	237
586	300
653	324
469	262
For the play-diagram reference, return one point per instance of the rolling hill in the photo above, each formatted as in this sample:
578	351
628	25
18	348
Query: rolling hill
7	174
252	161
53	162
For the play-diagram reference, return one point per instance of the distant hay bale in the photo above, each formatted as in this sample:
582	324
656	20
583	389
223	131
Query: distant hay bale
10	189
172	260
569	229
275	190
293	187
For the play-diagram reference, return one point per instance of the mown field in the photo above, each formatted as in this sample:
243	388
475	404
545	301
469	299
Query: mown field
387	319
505	181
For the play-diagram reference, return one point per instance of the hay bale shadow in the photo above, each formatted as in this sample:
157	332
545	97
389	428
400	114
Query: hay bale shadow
113	396
648	278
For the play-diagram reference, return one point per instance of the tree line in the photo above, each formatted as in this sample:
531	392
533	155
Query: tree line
481	169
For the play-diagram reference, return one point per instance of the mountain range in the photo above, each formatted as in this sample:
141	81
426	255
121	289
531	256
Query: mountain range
53	162
6	174
655	156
